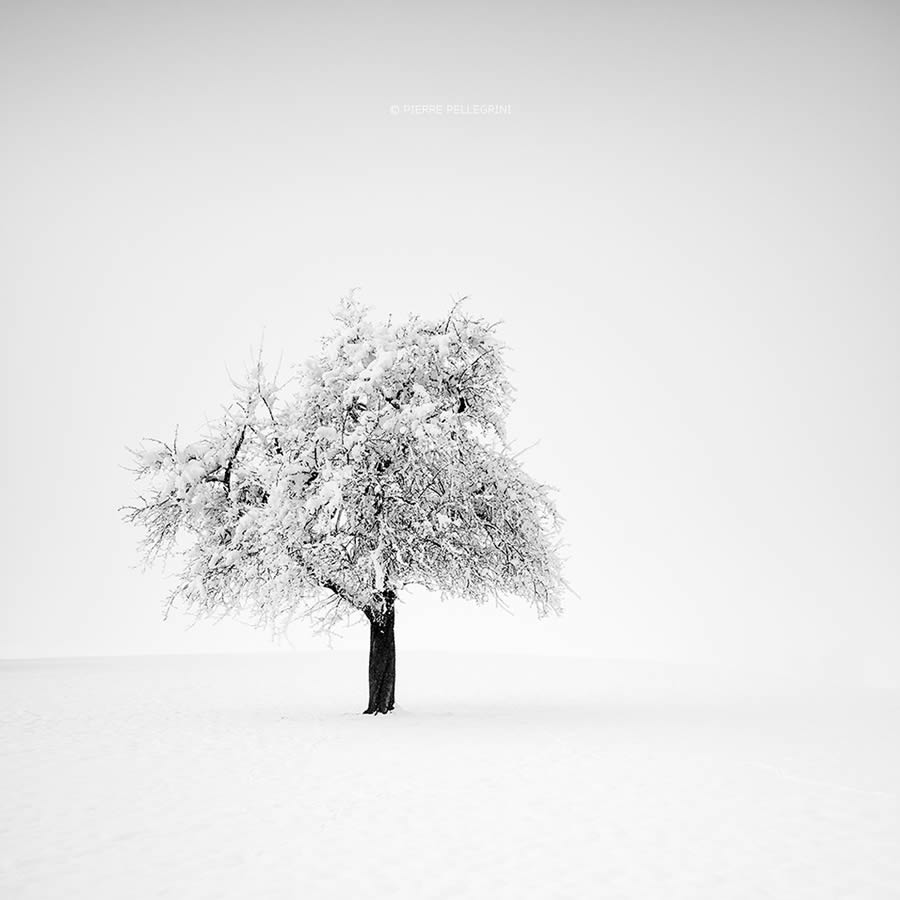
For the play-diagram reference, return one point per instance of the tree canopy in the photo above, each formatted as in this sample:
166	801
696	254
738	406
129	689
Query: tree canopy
381	463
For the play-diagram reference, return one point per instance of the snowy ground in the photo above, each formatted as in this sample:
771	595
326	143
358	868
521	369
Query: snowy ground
255	776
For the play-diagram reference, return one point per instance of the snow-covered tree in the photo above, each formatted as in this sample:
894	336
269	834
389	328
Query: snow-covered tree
382	463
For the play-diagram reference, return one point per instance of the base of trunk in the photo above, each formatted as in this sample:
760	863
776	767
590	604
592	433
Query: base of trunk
382	657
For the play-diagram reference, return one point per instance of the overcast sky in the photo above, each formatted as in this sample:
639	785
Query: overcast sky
686	217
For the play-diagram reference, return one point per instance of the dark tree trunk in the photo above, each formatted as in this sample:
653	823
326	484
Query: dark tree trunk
382	657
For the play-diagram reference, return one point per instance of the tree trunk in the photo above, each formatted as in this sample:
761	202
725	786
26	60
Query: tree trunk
382	657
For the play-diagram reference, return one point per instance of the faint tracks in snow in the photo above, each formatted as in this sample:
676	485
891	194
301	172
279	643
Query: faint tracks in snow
788	776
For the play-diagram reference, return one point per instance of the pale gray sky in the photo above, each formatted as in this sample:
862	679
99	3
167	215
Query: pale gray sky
688	220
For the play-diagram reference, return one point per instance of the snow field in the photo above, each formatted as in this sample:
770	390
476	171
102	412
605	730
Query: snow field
256	776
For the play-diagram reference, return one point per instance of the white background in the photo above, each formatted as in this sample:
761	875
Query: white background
688	223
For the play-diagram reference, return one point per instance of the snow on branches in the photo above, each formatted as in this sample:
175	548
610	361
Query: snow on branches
387	466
